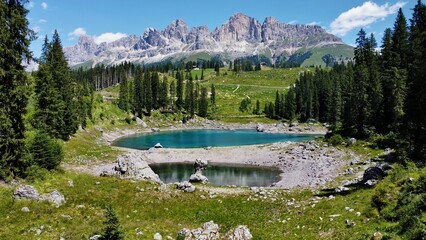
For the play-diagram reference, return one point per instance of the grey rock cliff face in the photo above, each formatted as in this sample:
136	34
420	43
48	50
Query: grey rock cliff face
240	36
239	28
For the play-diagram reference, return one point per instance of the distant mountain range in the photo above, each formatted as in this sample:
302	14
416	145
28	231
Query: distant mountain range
272	42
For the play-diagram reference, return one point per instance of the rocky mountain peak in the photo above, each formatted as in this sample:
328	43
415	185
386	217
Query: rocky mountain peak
177	29
239	27
240	36
85	39
270	21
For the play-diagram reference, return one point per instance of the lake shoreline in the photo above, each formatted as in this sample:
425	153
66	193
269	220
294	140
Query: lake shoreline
308	164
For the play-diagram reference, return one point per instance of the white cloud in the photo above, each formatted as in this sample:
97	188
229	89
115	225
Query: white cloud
314	23
108	37
362	16
44	5
30	5
78	32
292	22
42	21
104	37
36	29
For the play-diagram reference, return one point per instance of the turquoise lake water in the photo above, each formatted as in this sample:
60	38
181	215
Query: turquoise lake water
204	138
219	174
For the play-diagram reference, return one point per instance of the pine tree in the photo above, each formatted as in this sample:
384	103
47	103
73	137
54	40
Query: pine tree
112	230
155	85
277	104
49	107
123	98
204	104
172	94
189	97
290	104
374	86
400	46
147	91
213	98
46	152
15	40
163	98
179	91
217	69
63	83
415	118
138	95
196	96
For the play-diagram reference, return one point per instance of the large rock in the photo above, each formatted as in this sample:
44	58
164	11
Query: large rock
373	173
200	165
350	141
158	236
141	122
132	166
209	231
196	177
26	192
55	197
239	233
185	186
260	128
29	192
158	145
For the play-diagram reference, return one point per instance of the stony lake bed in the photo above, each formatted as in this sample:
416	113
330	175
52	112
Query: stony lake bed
303	164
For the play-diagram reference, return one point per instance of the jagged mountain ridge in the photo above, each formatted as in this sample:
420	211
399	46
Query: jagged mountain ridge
240	36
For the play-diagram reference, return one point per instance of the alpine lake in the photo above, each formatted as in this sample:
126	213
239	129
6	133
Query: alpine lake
219	174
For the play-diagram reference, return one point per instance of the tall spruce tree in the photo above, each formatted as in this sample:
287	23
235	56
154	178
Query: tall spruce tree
147	91
415	118
179	91
204	103
15	41
213	98
138	88
172	94
63	83
123	97
49	107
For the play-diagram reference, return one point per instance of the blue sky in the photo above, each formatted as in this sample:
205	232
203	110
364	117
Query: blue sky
108	20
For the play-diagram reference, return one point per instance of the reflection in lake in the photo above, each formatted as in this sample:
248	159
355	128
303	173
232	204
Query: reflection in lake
219	174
